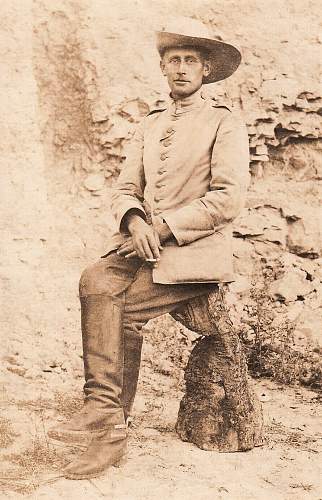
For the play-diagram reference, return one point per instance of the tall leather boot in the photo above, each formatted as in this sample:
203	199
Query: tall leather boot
132	360
102	327
108	448
79	430
103	366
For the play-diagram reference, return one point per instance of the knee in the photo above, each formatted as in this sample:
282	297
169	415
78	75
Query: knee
92	281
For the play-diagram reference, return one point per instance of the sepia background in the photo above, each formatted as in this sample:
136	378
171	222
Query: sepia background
76	78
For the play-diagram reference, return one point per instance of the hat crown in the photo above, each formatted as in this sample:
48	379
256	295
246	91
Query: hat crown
188	27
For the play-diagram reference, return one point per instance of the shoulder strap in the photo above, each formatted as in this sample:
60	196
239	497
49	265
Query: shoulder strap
156	111
216	104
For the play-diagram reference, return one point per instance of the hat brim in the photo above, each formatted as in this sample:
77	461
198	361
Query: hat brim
224	58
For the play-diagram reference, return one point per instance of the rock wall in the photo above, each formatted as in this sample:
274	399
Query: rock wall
79	76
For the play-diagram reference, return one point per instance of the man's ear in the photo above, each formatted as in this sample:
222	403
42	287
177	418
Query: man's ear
162	66
206	68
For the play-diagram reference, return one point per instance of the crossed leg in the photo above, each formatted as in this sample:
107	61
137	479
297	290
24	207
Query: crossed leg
118	297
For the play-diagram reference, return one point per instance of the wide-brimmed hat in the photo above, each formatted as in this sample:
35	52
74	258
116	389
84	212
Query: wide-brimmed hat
188	32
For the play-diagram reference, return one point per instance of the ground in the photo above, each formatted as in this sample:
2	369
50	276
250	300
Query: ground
159	465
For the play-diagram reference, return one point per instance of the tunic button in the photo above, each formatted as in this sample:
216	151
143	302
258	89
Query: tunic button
157	211
161	171
169	130
163	156
166	143
157	199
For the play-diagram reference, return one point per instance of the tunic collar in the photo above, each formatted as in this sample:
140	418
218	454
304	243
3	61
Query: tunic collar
186	104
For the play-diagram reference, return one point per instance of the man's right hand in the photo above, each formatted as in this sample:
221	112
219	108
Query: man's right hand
146	241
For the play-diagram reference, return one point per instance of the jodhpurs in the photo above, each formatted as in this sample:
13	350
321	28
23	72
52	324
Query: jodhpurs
131	281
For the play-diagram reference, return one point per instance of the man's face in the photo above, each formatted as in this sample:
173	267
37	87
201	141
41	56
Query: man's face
184	69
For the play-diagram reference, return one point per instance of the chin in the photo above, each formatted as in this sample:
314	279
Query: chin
182	92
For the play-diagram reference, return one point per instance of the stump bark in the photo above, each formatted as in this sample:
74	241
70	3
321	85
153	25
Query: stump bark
220	410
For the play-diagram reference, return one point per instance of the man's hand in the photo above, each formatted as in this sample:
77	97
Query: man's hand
127	249
163	231
145	241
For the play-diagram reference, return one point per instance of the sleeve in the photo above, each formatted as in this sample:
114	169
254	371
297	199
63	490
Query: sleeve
128	192
227	190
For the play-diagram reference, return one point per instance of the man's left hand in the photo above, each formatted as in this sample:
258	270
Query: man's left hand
127	248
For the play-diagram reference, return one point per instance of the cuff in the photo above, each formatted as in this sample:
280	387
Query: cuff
182	229
130	205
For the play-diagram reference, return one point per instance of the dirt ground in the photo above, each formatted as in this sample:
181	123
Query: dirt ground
159	465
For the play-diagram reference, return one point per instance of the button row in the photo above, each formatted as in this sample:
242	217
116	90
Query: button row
166	142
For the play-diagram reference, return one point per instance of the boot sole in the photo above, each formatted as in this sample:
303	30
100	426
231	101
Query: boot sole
118	463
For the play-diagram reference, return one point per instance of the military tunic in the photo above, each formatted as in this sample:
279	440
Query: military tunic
187	166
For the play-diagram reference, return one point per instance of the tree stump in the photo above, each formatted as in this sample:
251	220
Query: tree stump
219	410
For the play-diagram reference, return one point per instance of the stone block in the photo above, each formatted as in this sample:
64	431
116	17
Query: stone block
308	330
94	182
262	223
243	252
293	285
305	234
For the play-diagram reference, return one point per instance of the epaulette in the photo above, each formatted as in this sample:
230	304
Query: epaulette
156	111
216	104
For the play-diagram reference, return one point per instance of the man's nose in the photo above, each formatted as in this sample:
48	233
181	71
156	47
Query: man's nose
182	67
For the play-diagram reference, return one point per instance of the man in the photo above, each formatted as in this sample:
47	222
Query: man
183	183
